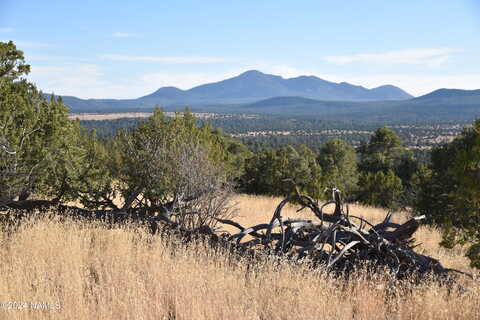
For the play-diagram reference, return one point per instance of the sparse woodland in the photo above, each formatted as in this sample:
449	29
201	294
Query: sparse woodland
152	222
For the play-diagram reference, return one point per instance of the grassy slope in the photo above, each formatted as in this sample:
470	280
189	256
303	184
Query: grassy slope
126	274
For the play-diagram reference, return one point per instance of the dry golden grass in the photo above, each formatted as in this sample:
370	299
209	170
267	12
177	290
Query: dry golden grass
96	273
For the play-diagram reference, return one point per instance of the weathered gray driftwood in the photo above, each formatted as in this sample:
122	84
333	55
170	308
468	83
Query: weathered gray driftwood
339	241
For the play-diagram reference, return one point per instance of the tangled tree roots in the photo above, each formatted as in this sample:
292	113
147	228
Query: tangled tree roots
338	241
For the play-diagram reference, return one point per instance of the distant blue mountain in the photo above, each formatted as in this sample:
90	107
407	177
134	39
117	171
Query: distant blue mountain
442	104
256	92
166	92
253	85
450	94
247	87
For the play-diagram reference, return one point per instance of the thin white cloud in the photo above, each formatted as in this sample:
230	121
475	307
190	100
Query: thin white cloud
124	35
174	60
430	57
89	81
7	29
50	58
68	80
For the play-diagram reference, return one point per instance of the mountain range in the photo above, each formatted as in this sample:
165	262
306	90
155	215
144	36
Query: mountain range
257	92
247	87
254	85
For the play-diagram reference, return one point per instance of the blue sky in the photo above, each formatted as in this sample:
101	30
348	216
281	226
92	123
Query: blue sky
126	49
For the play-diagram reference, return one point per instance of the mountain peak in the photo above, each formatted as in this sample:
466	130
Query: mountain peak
251	73
390	92
385	86
166	92
255	74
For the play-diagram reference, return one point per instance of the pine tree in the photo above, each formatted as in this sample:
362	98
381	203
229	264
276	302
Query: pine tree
38	143
338	161
449	192
385	154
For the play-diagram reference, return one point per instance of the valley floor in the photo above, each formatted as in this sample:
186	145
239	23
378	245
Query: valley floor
83	271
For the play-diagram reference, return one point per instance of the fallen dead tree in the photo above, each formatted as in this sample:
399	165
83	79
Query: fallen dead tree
341	242
338	241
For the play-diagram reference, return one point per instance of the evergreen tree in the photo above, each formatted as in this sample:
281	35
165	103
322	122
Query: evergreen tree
385	154
12	62
449	191
338	161
274	172
380	189
161	158
39	149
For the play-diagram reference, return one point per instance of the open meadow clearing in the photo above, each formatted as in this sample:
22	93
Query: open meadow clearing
90	272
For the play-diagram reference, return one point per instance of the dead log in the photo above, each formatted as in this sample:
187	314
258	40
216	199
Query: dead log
339	244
